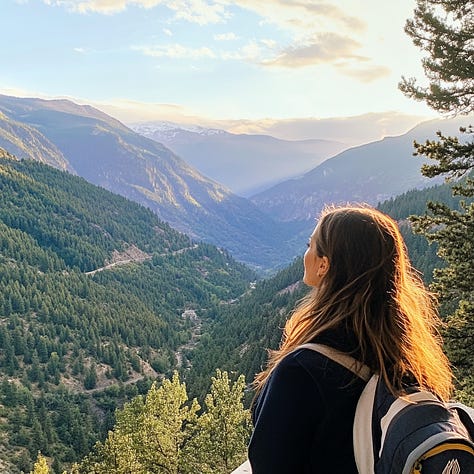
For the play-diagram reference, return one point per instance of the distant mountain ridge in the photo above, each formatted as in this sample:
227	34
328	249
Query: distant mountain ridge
107	153
369	173
247	164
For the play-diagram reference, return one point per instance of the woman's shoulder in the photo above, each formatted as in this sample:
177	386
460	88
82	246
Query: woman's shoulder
304	358
319	368
305	361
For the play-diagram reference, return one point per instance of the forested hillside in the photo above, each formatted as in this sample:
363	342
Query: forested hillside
73	335
423	254
244	329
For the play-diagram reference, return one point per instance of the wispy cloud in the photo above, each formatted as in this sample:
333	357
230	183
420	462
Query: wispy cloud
269	43
251	51
335	13
176	51
303	17
201	12
292	14
324	48
364	72
106	7
226	37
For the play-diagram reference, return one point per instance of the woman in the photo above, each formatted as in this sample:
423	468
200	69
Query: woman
366	301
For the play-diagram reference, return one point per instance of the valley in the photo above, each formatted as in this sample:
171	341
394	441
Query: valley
103	293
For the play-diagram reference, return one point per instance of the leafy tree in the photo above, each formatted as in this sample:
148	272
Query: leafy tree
116	455
161	433
41	466
165	426
444	29
222	431
150	433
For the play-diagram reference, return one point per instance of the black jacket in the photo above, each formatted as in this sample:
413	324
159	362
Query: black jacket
303	417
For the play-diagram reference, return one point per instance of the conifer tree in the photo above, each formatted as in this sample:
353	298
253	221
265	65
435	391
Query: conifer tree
90	379
444	30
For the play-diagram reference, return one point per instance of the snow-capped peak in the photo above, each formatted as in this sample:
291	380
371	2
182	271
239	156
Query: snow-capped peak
171	129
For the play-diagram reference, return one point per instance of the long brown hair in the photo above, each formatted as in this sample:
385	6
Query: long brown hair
371	291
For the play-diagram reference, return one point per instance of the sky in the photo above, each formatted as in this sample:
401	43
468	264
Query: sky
246	61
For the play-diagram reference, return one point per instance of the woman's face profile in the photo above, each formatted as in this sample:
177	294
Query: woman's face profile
315	267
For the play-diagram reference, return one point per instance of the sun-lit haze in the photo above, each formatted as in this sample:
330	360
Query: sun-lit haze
249	66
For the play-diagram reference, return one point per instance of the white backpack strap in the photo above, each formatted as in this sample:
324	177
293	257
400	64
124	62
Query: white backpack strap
362	428
345	360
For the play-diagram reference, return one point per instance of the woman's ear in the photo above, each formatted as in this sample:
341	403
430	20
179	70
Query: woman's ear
323	266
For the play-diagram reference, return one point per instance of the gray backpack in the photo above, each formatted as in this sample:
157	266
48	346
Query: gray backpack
414	434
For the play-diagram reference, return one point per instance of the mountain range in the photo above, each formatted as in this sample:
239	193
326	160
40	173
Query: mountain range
266	231
102	150
261	160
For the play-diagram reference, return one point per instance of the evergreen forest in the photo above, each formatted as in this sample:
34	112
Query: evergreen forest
77	341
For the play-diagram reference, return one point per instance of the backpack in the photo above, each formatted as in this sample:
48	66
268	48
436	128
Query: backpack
413	434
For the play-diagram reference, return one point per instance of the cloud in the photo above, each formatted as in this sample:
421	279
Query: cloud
320	20
252	51
269	43
315	32
106	7
176	51
226	37
335	13
130	111
303	17
201	12
364	73
324	48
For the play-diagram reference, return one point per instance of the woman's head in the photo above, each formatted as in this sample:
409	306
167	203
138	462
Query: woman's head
351	246
366	287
